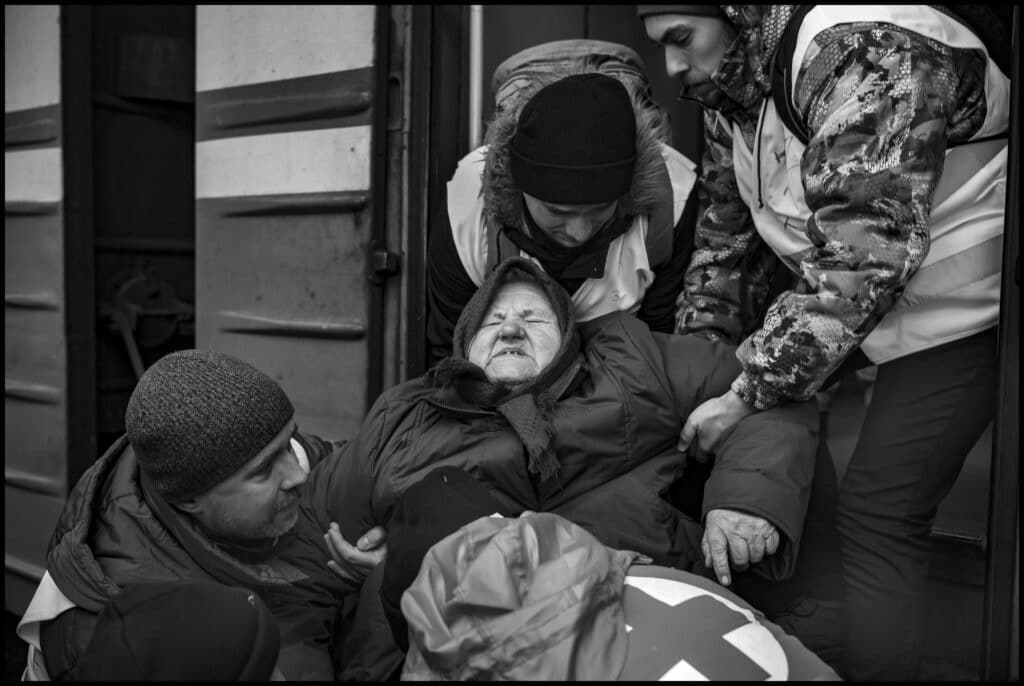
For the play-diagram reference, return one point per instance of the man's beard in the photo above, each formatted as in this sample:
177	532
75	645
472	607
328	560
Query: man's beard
228	527
278	526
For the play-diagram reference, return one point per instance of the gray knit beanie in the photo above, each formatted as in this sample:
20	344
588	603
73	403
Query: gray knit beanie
196	417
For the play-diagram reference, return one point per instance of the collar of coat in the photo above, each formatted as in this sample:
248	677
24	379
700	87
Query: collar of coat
744	74
449	400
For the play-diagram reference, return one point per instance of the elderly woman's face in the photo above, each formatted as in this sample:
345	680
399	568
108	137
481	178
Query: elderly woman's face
519	336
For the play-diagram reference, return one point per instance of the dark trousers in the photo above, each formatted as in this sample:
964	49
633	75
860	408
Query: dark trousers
927	411
809	605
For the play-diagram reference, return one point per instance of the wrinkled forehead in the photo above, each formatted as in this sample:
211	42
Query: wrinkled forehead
521	296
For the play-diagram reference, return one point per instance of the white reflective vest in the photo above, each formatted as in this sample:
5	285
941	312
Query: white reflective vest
955	293
627	270
47	603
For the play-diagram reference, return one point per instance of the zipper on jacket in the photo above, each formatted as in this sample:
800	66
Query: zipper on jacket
568	382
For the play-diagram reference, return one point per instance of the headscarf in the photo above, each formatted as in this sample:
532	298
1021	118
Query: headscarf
528	406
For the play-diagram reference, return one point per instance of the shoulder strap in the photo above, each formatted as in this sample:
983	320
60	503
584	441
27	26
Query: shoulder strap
661	227
499	247
782	81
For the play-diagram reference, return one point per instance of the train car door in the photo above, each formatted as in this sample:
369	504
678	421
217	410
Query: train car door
99	229
45	339
284	217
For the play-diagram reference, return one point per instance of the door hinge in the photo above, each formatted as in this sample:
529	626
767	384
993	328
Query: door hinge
383	265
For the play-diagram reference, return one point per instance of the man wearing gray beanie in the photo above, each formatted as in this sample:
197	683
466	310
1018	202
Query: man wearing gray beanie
207	485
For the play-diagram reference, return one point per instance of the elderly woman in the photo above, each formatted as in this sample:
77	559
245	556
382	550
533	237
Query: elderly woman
580	422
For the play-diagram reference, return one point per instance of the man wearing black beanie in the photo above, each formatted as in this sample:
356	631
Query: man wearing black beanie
575	174
206	485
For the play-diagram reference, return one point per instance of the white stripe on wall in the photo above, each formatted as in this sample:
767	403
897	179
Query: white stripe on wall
33	175
31	56
293	162
243	44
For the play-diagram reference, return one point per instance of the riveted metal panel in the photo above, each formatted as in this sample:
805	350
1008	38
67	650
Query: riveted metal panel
31	56
286	291
245	44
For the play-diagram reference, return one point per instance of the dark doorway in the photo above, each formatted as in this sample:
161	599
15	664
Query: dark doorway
143	196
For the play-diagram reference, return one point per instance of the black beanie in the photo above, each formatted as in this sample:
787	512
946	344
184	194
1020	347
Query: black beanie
196	417
575	141
429	510
182	630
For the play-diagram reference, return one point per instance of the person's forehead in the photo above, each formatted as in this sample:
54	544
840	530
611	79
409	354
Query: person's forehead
557	207
658	25
522	295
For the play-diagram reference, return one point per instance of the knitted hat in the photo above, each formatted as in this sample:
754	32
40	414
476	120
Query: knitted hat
196	417
699	10
182	630
575	141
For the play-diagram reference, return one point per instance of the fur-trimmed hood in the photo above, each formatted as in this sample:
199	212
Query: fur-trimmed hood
503	200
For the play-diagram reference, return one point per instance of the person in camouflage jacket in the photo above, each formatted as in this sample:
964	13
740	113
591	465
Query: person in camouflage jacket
890	217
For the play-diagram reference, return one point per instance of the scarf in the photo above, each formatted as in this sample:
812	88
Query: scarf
569	266
528	407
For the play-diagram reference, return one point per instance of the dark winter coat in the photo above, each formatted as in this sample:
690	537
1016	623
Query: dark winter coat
110	536
615	429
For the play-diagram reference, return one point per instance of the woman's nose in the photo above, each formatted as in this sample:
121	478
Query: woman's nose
511	328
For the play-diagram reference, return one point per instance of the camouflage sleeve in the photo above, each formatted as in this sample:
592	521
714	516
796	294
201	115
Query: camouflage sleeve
880	103
714	297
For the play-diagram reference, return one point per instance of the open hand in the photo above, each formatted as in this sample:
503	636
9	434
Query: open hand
711	423
738	537
354	563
